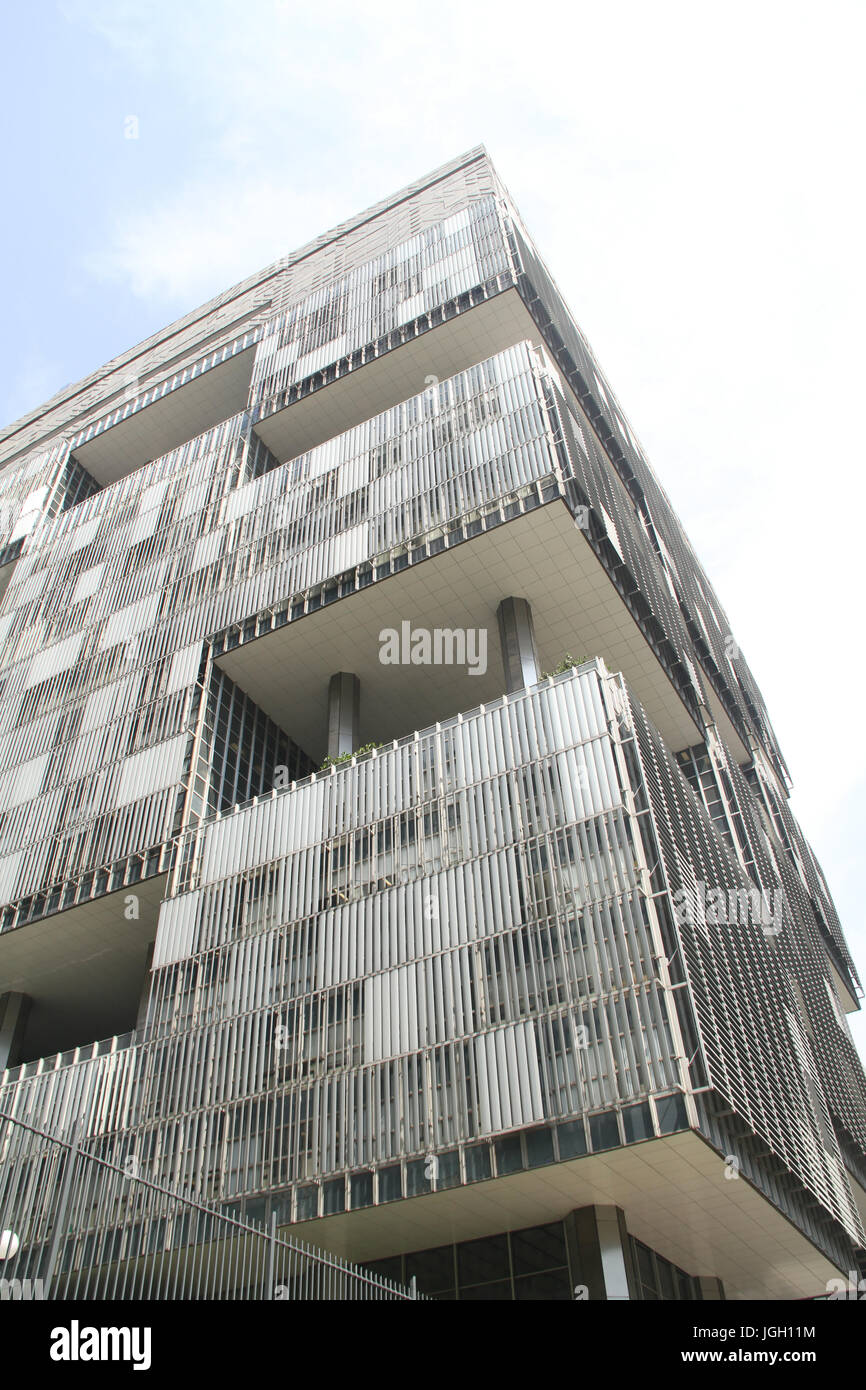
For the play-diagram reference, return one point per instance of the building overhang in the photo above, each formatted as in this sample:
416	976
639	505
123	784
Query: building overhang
724	724
675	1194
132	436
83	968
844	987
6	572
403	371
540	556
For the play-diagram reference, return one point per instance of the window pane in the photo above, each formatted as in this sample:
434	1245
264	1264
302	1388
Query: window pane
477	1163
509	1155
539	1147
482	1292
391	1268
637	1122
417	1180
390	1185
362	1189
666	1278
448	1170
434	1269
335	1197
572	1139
308	1203
645	1265
671	1111
539	1247
604	1131
481	1260
553	1286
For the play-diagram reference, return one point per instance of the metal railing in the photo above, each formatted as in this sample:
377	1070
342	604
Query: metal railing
75	1226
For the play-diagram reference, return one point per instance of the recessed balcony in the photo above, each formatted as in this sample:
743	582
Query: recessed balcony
83	970
331	401
161	416
541	556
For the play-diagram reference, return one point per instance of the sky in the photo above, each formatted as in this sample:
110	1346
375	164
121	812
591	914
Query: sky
691	174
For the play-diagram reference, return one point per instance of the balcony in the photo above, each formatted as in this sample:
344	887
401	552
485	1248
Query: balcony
158	417
84	969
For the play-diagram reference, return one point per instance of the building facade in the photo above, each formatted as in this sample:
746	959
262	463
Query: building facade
323	901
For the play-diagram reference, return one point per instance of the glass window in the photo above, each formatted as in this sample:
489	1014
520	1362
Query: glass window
604	1131
554	1286
417	1180
448	1171
307	1202
362	1190
666	1278
477	1161
391	1268
646	1270
572	1139
539	1147
480	1261
283	1208
671	1112
637	1122
434	1269
509	1154
390	1183
538	1247
478	1293
334	1197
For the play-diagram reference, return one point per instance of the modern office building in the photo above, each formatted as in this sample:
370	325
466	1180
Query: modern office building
323	902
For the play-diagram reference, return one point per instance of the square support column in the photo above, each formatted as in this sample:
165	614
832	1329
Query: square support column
600	1252
344	713
144	997
517	640
14	1009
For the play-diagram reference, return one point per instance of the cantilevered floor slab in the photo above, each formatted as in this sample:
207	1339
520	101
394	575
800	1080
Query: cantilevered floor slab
540	556
84	968
401	372
673	1191
180	414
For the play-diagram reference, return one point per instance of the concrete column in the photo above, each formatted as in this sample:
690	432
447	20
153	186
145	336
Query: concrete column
600	1252
144	997
517	639
344	713
14	1009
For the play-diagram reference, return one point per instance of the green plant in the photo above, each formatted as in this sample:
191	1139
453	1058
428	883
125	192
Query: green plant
566	664
347	757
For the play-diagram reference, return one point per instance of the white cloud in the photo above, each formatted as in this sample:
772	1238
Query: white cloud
173	252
